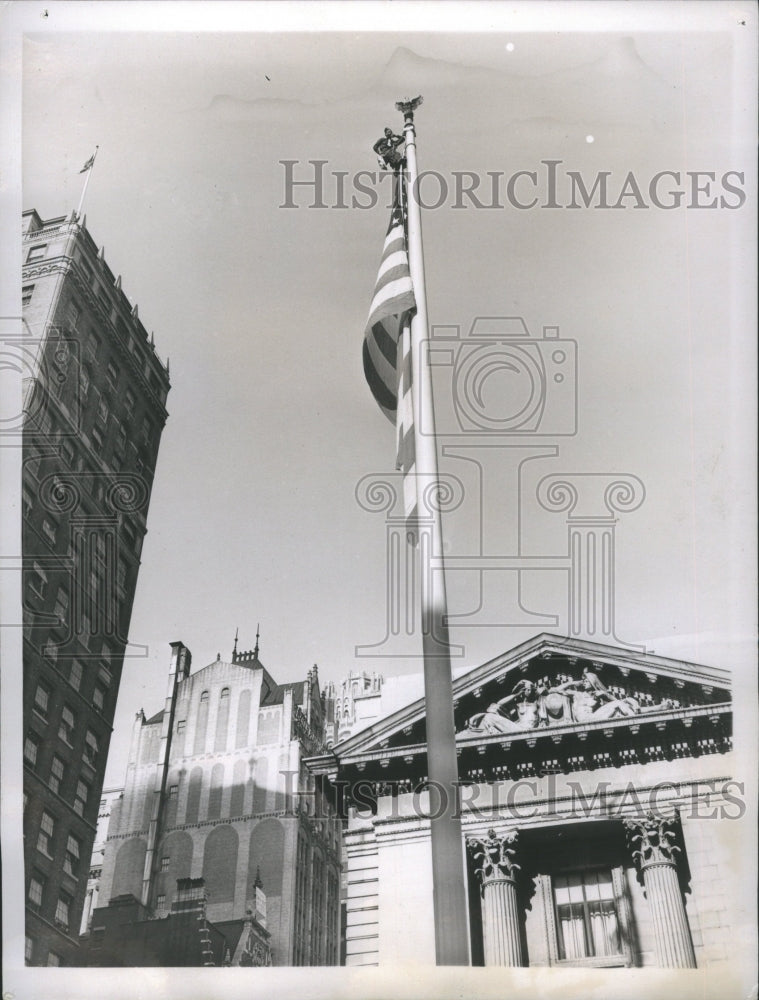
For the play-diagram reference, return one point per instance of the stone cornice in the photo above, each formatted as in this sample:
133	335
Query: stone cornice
332	762
544	646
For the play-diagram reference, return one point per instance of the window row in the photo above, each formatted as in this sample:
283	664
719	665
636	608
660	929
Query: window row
53	958
36	900
43	694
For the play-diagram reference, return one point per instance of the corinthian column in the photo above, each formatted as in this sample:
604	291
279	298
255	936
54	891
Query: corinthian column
655	853
496	870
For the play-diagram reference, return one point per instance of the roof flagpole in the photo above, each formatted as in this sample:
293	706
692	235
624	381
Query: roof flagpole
86	169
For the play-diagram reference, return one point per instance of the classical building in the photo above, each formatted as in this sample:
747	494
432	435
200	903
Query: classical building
94	411
216	789
596	800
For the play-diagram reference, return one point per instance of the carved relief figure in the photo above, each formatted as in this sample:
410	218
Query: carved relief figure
538	704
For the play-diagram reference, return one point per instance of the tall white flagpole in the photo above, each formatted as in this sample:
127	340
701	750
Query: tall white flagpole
448	873
88	170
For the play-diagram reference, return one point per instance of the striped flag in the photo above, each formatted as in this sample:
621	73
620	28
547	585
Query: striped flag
89	163
387	347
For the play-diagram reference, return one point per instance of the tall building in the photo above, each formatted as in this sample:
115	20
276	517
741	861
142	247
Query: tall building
216	789
351	704
599	804
94	411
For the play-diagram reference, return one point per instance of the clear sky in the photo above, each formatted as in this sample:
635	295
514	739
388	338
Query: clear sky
261	311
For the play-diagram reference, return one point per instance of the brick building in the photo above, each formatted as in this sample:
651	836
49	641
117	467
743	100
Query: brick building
598	808
94	411
214	789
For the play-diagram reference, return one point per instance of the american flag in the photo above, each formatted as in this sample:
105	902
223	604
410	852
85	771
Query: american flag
387	347
88	164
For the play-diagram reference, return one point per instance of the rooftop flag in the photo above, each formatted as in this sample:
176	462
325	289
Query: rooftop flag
89	163
86	169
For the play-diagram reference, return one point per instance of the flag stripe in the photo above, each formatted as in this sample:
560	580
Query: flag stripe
387	350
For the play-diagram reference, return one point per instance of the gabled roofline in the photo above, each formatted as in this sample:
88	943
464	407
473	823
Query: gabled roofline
538	645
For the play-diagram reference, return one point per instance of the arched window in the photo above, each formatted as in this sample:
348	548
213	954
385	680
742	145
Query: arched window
214	795
222	721
243	719
193	795
220	864
201	722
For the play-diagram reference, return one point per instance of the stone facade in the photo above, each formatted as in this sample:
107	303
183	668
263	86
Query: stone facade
94	412
216	789
597	796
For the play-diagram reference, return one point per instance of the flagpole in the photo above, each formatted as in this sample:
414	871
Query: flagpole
86	181
449	890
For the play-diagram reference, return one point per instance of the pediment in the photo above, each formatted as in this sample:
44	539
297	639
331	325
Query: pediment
551	685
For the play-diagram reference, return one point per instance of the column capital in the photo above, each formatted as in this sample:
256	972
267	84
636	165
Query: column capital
493	856
652	840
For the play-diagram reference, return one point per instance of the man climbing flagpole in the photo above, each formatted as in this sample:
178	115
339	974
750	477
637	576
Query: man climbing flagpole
397	369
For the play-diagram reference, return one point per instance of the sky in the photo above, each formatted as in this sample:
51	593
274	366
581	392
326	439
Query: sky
261	309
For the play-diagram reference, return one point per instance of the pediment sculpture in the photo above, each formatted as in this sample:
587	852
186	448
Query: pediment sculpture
531	705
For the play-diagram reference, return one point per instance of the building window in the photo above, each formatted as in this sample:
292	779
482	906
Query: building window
84	382
74	313
57	768
102	410
66	727
71	860
121	576
104	674
97	437
204	696
36	888
27	501
75	676
147	431
36	253
98	698
85	632
90	748
160	901
53	959
164	864
173	791
112	373
121	442
62	910
93	343
181	726
31	749
61	605
38	581
26	294
45	836
67	450
49	530
129	401
80	800
587	919
42	700
28	949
